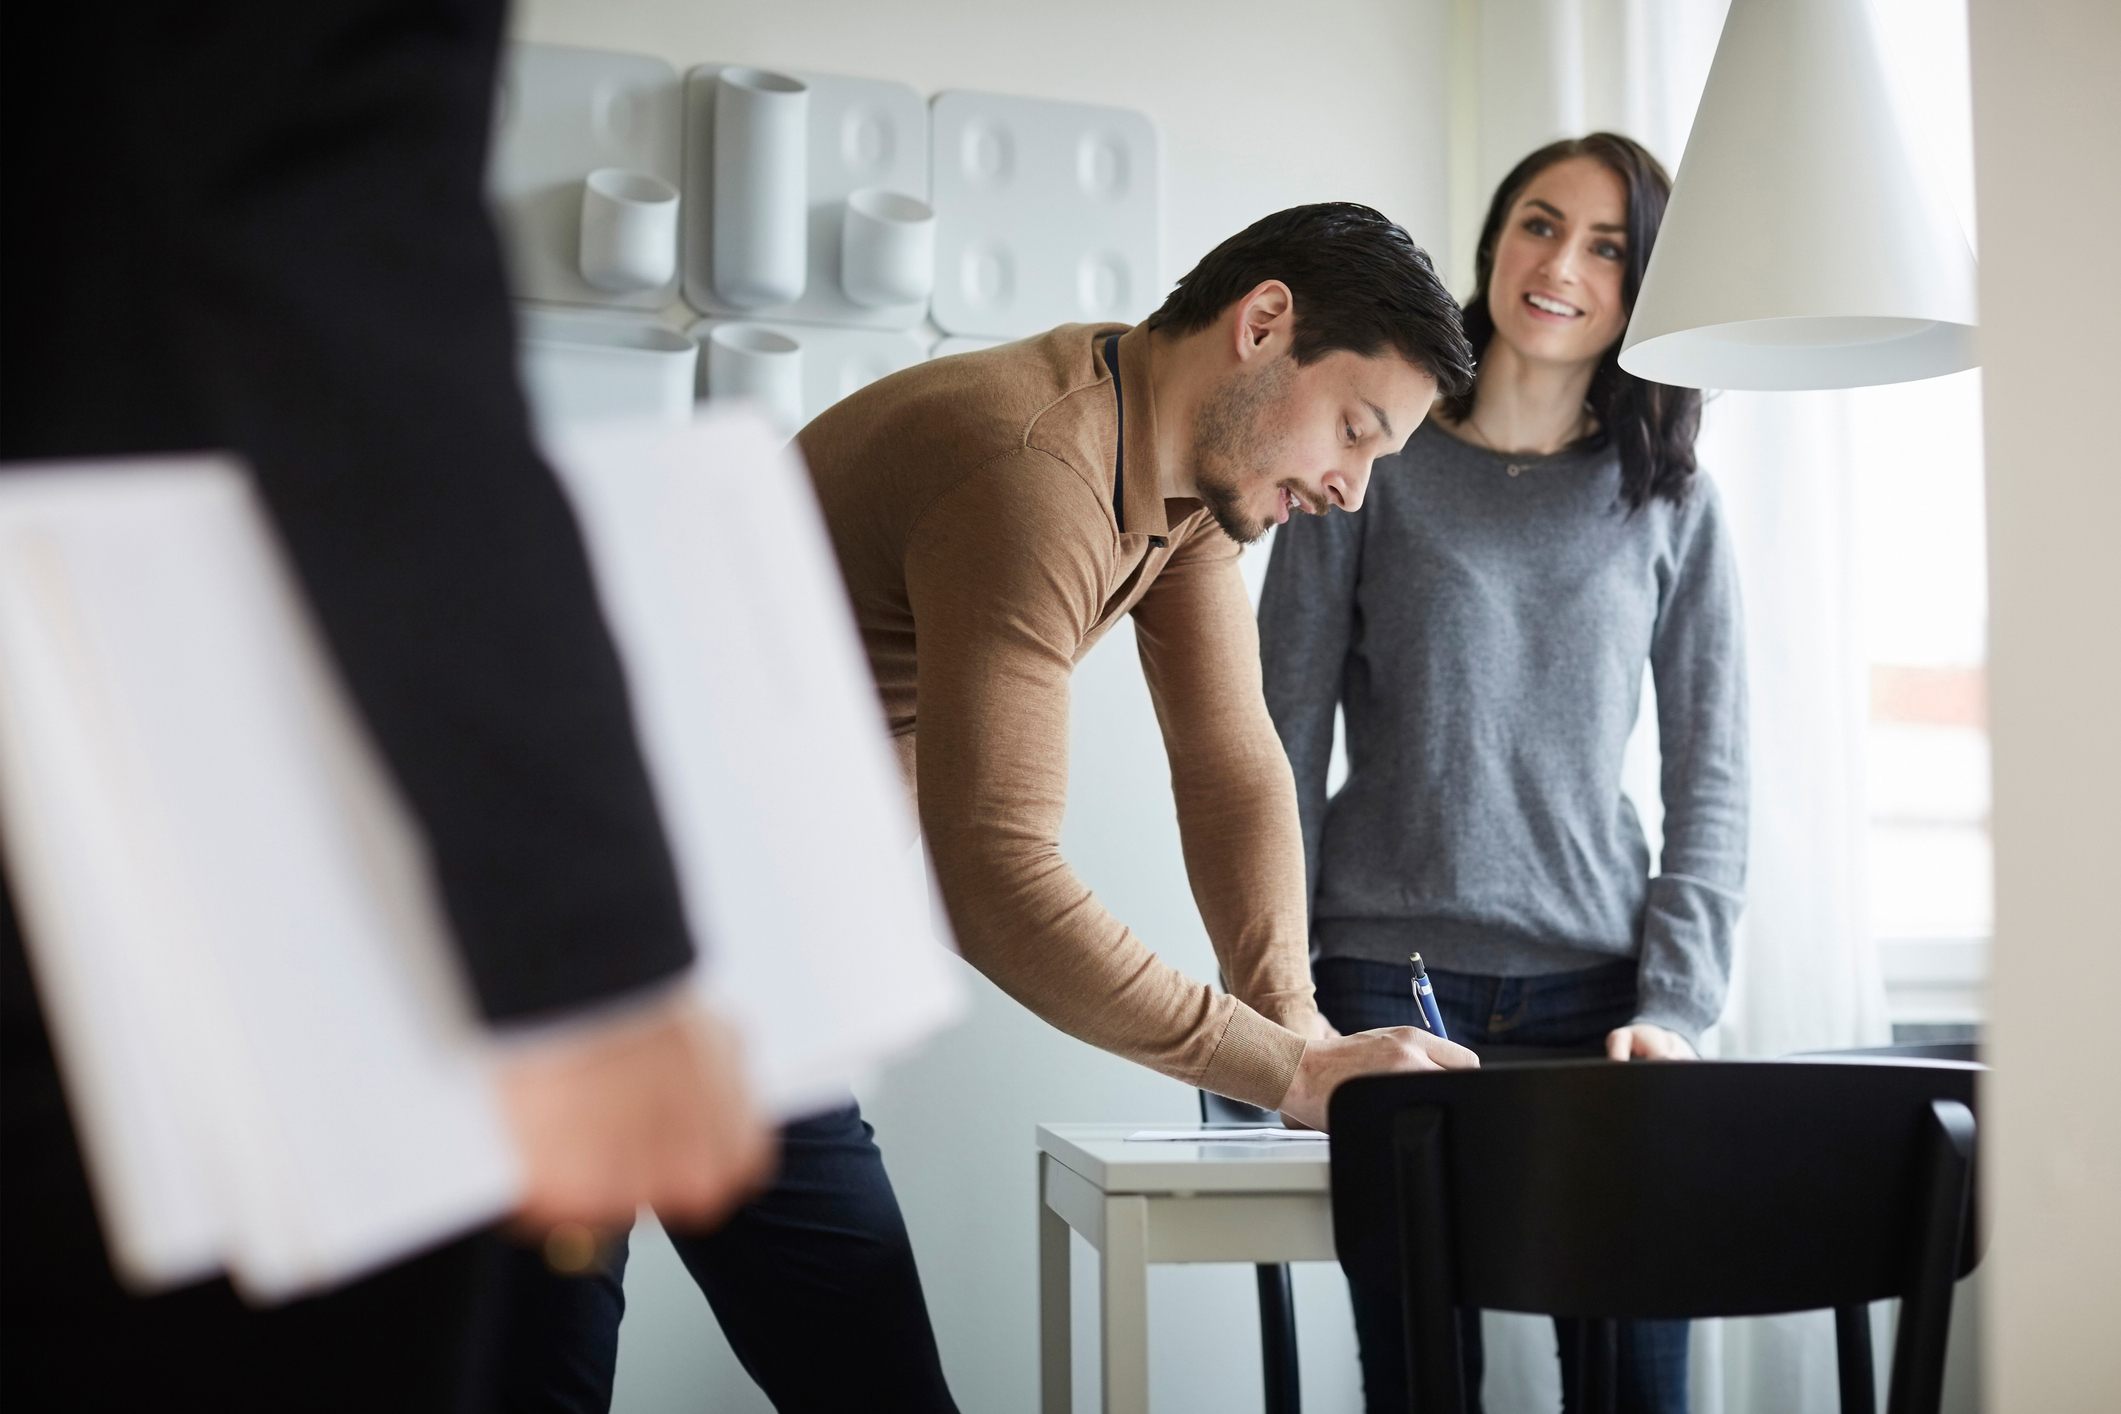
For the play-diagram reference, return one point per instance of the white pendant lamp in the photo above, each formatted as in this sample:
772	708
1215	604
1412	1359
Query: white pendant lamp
1803	247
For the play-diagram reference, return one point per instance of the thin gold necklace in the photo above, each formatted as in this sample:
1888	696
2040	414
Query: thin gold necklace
1518	468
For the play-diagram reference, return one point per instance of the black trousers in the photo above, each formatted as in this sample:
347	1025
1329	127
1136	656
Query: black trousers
71	1338
814	1285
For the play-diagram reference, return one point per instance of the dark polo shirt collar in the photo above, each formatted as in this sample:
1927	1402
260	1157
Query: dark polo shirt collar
1141	507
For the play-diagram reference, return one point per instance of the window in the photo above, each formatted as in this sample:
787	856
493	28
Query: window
1923	572
1927	760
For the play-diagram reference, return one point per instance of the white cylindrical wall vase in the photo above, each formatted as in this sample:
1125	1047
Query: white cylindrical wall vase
629	230
580	367
887	248
751	363
761	187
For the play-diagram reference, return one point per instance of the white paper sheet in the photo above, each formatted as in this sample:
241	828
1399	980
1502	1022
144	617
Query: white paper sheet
766	741
1231	1134
268	1048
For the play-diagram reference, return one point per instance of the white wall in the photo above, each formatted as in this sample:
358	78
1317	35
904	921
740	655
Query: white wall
2046	109
1261	106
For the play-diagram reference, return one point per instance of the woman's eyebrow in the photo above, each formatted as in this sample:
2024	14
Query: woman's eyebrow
1558	214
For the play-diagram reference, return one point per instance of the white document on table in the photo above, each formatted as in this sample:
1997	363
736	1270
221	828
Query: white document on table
1226	1134
269	1051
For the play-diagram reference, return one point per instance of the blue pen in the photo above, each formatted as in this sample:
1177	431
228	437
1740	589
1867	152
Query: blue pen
1425	998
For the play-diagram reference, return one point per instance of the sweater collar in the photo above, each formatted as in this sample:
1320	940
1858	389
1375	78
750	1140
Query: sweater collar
1143	510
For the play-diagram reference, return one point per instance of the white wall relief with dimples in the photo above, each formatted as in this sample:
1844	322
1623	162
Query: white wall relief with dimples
1047	214
839	215
863	138
830	363
564	116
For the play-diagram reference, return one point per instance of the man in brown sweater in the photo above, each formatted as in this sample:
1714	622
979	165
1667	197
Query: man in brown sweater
994	515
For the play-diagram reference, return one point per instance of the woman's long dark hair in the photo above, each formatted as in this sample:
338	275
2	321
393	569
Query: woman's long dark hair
1653	424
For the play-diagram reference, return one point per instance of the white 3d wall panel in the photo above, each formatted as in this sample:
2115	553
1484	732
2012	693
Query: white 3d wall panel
827	364
863	134
816	219
1048	214
562	115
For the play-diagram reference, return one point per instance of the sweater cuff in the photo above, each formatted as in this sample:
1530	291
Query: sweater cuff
1255	1061
1292	1009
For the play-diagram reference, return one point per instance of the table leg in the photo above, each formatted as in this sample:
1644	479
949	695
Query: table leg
1123	1276
1055	1357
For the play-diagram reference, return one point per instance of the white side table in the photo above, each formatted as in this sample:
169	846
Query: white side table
1160	1202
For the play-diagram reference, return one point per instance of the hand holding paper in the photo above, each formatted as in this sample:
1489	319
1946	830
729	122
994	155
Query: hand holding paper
646	1110
269	1050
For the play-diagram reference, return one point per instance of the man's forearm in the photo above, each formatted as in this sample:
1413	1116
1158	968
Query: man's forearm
1244	856
1028	922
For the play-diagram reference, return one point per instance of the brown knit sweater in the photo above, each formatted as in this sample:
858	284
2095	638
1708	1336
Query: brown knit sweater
972	504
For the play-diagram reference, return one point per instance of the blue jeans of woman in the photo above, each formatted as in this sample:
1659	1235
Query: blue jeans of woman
1563	1009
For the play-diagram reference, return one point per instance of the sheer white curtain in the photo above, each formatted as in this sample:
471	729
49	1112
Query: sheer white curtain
1806	972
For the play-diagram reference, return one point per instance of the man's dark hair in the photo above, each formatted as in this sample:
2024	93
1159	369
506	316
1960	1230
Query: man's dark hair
1360	282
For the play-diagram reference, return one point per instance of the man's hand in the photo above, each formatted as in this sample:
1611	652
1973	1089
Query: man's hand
1648	1043
649	1110
1327	1063
1312	1026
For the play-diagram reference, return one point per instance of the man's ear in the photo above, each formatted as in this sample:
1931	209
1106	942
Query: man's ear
1264	322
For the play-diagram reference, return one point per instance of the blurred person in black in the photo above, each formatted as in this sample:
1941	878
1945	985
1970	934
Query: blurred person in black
260	228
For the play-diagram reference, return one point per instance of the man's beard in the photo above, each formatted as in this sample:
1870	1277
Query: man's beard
1234	439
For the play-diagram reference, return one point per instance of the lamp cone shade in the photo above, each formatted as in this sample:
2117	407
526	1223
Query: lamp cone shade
1803	247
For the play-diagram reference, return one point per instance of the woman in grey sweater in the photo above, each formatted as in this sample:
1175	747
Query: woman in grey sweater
1485	625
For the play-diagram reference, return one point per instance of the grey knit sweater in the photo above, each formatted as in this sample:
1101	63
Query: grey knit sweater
1486	636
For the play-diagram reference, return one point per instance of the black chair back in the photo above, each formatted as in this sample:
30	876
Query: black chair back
1705	1188
1968	1051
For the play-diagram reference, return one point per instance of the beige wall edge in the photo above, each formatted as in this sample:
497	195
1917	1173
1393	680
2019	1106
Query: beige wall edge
2046	112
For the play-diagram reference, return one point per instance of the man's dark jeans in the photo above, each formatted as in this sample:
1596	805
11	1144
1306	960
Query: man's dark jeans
1565	1009
813	1283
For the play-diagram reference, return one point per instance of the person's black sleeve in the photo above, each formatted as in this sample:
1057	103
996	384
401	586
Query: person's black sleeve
262	227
